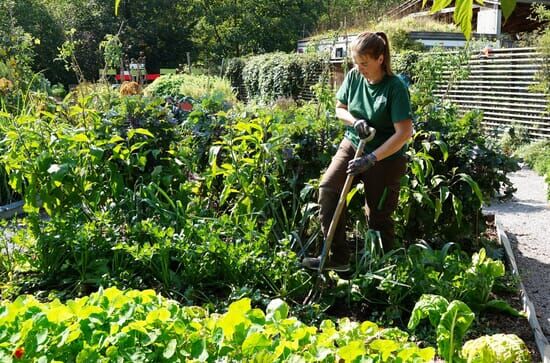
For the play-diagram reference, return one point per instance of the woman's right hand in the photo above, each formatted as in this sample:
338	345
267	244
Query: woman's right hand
362	128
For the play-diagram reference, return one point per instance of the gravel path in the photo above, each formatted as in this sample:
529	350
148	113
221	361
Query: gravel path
526	220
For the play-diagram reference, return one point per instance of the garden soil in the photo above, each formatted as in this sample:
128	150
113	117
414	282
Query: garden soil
526	220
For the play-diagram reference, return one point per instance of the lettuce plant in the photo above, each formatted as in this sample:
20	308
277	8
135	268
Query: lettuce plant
115	325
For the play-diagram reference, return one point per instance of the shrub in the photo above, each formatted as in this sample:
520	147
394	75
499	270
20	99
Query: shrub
270	76
195	86
454	167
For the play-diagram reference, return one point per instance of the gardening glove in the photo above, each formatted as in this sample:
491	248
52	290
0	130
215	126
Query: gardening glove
362	164
362	128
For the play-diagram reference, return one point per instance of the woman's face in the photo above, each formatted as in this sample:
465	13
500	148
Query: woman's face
369	67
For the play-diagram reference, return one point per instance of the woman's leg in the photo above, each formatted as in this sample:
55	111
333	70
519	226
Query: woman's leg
382	184
330	188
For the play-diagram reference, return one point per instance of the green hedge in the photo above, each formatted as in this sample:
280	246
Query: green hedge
269	76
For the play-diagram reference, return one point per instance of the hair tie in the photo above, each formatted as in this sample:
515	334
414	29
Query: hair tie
378	34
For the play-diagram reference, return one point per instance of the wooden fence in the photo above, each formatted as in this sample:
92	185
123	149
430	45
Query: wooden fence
499	85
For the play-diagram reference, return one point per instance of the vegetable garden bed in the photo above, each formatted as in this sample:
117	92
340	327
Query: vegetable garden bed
214	204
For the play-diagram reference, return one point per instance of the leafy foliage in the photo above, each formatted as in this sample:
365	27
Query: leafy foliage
140	193
140	325
195	86
505	348
227	29
16	57
451	321
454	167
270	76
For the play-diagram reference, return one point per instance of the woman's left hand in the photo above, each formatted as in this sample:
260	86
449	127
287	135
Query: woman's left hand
362	164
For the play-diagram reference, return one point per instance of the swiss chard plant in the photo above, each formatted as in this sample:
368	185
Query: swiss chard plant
451	321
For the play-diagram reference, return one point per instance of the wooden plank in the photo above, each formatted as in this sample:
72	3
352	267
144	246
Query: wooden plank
527	128
533	112
495	83
501	62
499	95
483	91
498	104
525	124
503	71
544	120
527	102
498	53
529	63
500	77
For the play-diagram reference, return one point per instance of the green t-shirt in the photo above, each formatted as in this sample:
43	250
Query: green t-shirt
381	104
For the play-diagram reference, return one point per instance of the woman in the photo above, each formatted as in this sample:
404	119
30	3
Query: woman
371	95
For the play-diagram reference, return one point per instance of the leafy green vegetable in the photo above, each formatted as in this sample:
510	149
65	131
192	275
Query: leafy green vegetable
451	329
431	306
451	322
114	325
502	348
480	277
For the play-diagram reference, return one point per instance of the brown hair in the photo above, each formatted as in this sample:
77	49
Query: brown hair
374	45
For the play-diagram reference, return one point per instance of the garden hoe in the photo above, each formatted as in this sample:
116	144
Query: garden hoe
337	213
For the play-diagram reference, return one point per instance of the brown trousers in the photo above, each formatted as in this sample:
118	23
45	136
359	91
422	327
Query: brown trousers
385	174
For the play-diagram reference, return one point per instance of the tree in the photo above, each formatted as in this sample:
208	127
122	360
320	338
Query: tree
161	29
232	28
48	21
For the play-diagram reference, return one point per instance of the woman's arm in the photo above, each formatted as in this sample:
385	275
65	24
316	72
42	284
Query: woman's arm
403	132
343	114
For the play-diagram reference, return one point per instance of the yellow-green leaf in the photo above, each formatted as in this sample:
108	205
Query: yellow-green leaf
111	293
140	131
115	139
507	7
139	325
254	342
161	314
80	138
463	16
368	327
385	346
59	314
438	5
353	350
